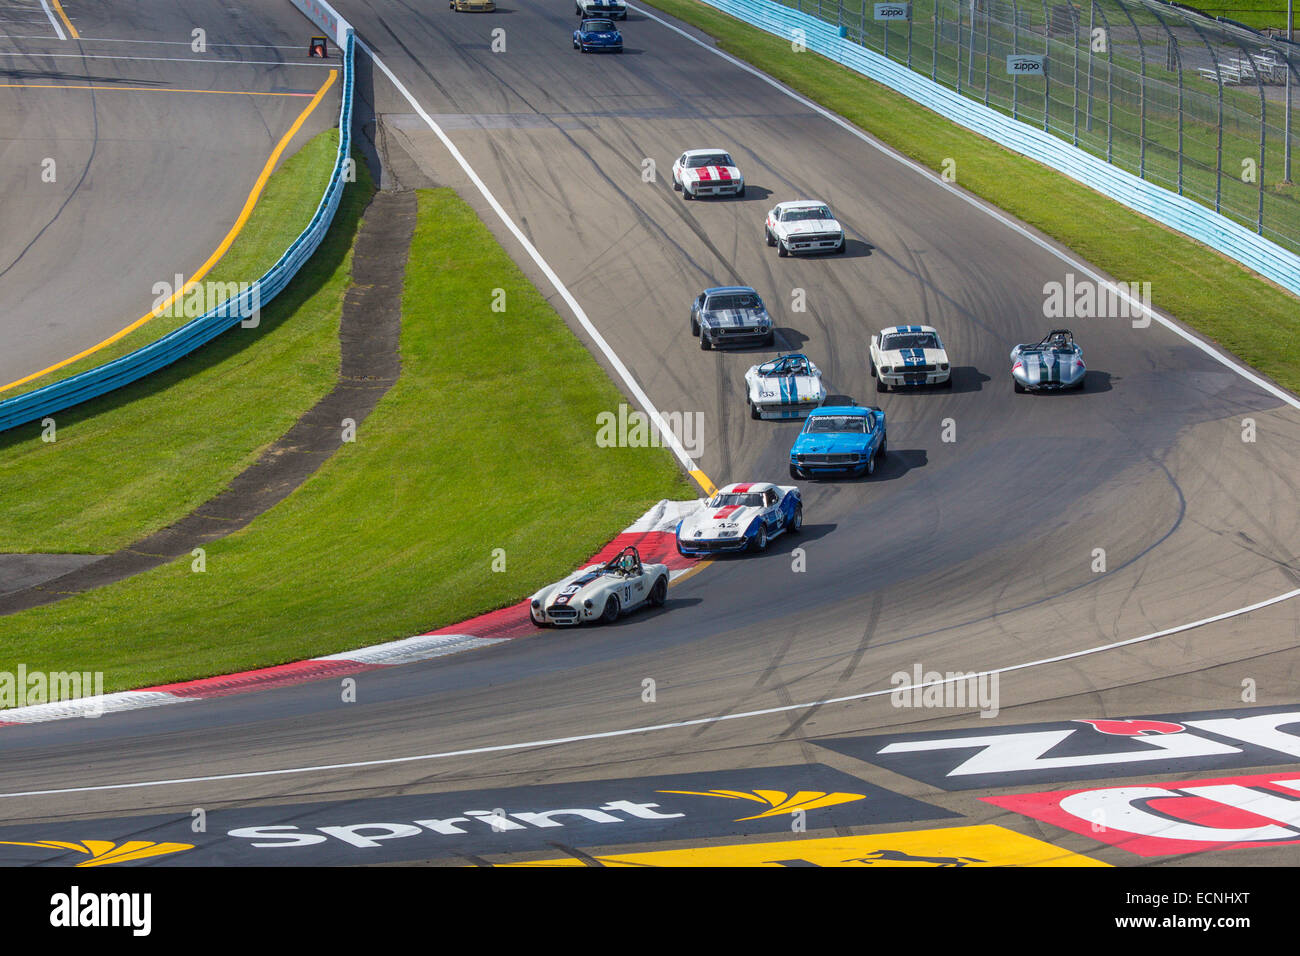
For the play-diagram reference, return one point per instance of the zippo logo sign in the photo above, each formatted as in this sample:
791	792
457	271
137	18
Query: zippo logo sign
1086	748
1193	816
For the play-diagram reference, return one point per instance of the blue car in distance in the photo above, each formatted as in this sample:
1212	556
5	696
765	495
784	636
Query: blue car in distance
597	35
839	440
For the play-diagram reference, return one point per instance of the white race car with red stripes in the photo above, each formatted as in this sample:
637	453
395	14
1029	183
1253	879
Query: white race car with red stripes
707	172
743	516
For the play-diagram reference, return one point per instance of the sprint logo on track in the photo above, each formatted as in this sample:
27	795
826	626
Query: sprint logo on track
103	852
480	824
778	802
371	835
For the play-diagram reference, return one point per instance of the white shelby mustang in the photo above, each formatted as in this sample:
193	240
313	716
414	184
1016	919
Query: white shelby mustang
909	355
601	592
707	172
744	516
614	9
789	386
804	225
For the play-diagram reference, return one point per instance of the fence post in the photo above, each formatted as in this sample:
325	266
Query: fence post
1074	27
959	45
970	49
1047	65
1286	119
1142	96
937	39
988	18
909	36
1015	48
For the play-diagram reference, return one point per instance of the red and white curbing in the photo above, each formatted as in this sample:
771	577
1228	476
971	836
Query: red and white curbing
653	534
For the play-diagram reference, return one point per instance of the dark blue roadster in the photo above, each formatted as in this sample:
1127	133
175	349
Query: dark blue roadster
597	35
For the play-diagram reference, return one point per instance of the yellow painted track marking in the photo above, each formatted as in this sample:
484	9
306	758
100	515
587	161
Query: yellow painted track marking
691	572
137	89
213	259
975	846
72	31
703	481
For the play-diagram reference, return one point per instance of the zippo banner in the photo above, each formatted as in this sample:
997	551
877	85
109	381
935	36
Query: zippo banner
893	11
1187	816
1085	748
1023	64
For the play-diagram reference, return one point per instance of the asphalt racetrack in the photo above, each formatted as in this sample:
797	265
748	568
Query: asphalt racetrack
126	155
974	554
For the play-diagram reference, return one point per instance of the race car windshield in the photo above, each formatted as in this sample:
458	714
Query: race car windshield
910	340
785	367
725	500
851	424
715	159
805	215
598	26
732	302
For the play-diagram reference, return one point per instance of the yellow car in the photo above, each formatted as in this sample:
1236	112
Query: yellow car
472	6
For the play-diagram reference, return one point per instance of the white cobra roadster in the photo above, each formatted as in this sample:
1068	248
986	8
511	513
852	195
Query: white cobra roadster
601	592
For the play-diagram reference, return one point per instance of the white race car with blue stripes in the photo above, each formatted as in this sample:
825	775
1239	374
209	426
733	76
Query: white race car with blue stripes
789	386
615	9
909	355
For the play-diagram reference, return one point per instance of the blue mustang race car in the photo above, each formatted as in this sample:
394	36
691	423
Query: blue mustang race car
597	34
838	440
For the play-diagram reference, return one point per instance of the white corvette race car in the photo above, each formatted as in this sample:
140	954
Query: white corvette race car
601	592
744	516
909	355
707	172
804	225
789	386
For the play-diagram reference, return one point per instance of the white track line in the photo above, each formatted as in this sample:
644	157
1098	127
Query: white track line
53	22
159	59
653	728
1069	260
642	399
189	43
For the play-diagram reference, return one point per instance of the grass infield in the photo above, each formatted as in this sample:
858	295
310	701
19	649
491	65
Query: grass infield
476	480
1249	316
